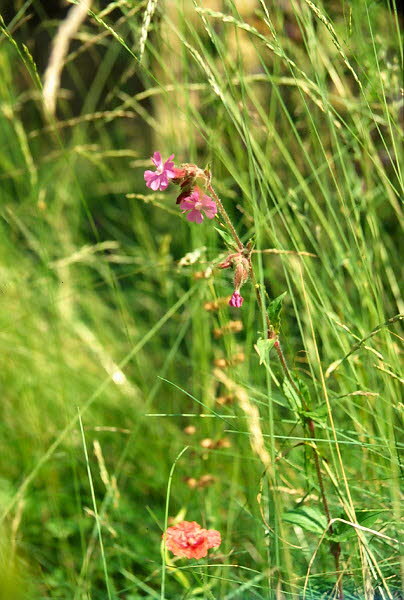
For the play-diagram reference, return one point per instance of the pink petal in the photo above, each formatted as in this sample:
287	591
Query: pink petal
154	183
236	300
197	553
148	175
195	216
169	162
156	158
194	196
210	212
207	202
209	206
213	538
169	172
187	204
163	179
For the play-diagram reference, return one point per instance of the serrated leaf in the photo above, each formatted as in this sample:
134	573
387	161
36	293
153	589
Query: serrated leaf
308	518
226	237
274	311
263	346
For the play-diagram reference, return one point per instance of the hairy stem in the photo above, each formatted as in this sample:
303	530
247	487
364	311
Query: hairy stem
226	217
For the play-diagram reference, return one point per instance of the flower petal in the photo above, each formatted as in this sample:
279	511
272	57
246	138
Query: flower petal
163	180
156	158
169	172
213	538
189	540
169	164
211	212
195	216
187	204
155	183
236	300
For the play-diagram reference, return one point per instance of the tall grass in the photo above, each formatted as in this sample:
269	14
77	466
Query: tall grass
109	354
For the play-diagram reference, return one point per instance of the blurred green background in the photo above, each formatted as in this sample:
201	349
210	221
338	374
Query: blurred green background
297	109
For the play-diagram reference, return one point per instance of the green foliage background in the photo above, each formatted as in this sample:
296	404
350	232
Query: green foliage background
104	337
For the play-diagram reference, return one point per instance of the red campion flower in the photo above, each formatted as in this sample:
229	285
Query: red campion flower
189	540
195	203
160	178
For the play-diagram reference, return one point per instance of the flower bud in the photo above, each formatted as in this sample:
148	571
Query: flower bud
236	300
241	272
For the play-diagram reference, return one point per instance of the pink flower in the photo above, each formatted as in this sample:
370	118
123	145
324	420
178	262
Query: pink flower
189	540
159	179
197	202
236	300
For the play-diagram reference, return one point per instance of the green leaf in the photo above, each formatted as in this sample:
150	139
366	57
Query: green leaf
318	415
309	519
226	237
292	396
274	311
263	346
366	518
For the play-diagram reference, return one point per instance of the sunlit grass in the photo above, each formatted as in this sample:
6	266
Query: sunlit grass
296	111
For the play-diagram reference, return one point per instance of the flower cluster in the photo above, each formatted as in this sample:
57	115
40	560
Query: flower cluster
188	539
197	205
192	199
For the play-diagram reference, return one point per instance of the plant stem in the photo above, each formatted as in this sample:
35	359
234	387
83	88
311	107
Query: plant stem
335	547
225	216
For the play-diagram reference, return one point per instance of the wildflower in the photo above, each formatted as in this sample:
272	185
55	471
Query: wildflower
190	540
236	300
197	202
159	179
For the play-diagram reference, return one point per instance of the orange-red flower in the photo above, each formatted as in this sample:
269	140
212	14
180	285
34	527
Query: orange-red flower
190	540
